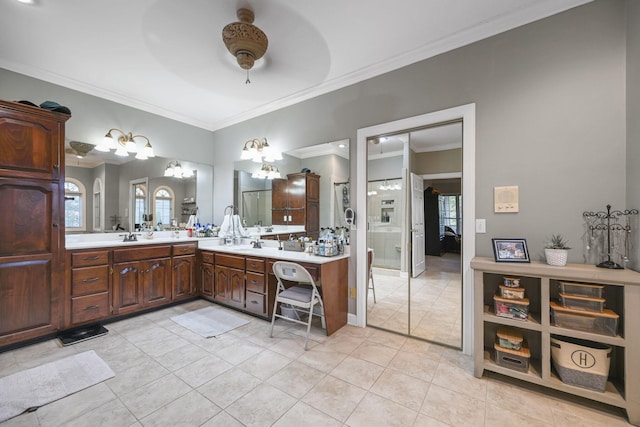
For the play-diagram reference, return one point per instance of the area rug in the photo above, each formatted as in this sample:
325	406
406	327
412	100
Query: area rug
209	321
32	388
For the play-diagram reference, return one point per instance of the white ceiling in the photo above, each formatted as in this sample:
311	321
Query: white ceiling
167	57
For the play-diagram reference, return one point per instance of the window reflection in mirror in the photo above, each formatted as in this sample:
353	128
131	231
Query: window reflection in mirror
114	206
139	203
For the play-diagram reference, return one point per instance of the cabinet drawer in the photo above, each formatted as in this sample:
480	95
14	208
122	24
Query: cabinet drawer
90	307
207	257
139	253
255	282
89	280
185	249
256	264
255	303
230	261
86	259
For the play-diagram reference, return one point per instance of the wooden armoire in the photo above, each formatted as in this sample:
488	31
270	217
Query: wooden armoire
31	221
296	201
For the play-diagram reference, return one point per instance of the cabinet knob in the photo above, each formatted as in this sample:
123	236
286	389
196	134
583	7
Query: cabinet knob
54	224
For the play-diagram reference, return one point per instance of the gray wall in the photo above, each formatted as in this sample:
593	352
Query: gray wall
550	99
633	114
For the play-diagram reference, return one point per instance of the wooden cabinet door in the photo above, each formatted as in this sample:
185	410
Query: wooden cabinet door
30	142
236	288
155	281
184	276
313	188
279	202
221	285
127	287
206	279
31	263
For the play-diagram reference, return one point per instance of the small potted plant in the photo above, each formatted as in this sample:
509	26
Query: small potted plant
556	251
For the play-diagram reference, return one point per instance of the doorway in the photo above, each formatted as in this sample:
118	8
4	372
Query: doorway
466	115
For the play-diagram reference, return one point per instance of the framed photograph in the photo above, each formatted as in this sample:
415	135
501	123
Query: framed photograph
510	250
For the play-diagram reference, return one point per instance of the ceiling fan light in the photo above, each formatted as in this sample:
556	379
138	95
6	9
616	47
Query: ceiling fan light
244	40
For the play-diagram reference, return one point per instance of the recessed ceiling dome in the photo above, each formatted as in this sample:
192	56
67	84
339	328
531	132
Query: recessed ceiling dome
244	40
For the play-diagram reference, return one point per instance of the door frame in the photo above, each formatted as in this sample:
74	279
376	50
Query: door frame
467	113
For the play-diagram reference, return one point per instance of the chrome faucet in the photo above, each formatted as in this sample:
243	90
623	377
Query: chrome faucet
257	244
131	237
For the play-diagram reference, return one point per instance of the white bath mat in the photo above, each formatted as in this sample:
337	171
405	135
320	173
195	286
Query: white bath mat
46	383
209	321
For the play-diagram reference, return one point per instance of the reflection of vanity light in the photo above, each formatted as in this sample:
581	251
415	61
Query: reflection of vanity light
372	193
174	169
267	172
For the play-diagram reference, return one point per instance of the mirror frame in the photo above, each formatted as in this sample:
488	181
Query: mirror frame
467	113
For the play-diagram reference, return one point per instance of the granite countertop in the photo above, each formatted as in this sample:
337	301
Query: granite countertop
269	247
268	251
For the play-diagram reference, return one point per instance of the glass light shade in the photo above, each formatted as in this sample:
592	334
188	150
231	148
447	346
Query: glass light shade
109	142
246	155
121	151
148	150
130	145
177	170
102	147
141	155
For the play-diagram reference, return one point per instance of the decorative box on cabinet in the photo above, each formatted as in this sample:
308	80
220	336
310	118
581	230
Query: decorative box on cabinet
32	226
542	282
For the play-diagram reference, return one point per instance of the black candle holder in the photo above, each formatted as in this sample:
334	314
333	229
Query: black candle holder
599	222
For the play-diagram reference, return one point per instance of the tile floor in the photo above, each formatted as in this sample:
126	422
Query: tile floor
168	376
436	301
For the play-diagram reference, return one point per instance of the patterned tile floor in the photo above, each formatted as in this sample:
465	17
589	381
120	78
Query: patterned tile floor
168	376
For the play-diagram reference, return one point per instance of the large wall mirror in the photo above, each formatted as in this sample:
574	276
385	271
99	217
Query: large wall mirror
330	160
129	189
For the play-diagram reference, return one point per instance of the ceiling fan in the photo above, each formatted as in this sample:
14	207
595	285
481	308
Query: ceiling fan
79	149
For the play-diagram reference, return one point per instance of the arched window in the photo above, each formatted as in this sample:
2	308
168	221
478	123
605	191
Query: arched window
97	205
74	205
140	203
163	205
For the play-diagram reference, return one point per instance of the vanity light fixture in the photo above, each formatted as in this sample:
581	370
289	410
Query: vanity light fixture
267	172
174	169
126	144
259	150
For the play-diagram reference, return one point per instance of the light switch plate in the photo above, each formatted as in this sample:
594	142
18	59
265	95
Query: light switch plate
481	225
506	199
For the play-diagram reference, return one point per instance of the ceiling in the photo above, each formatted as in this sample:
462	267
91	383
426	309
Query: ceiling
167	57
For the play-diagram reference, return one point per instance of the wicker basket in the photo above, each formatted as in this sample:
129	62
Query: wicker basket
557	257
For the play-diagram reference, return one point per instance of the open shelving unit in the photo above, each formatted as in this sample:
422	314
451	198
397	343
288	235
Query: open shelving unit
622	292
